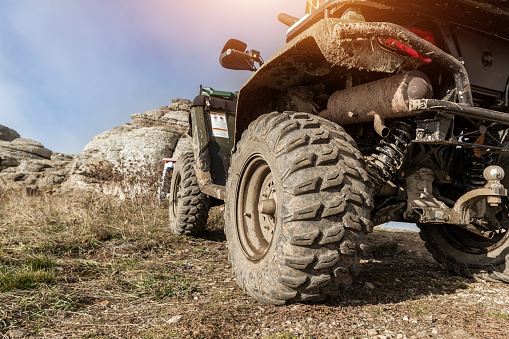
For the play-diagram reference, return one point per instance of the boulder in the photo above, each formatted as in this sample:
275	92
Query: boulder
174	116
37	174
129	144
13	152
7	134
185	144
117	153
139	144
28	164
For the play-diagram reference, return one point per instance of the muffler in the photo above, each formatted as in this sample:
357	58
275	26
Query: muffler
378	100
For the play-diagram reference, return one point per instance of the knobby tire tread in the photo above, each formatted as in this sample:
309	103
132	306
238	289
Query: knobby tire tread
326	209
193	207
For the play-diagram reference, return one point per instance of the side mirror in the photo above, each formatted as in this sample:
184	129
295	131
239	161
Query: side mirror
235	56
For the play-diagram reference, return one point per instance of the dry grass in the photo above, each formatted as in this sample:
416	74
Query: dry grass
81	218
49	246
68	257
91	265
49	250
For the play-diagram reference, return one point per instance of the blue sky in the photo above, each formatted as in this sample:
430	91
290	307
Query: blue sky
71	69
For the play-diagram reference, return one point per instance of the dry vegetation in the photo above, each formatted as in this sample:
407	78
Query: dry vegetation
93	266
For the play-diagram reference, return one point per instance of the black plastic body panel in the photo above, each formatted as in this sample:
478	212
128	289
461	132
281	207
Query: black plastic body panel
486	59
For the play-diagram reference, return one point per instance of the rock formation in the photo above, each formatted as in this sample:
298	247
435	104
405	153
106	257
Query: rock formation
25	163
149	138
7	134
145	141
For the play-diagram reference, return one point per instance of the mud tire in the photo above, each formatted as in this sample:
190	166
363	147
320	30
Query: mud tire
314	172
467	254
189	208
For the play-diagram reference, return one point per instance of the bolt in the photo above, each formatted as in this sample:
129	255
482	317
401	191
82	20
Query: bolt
447	178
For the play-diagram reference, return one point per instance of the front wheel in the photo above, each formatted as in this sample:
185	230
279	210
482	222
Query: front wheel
468	254
189	207
465	253
297	209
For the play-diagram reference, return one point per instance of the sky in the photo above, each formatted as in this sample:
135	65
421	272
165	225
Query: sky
72	69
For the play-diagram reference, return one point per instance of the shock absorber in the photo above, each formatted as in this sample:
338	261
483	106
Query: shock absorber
390	153
475	164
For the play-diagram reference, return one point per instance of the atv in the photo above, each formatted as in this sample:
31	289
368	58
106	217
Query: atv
373	111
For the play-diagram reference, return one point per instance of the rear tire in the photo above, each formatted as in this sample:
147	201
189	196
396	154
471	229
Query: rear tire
297	209
189	208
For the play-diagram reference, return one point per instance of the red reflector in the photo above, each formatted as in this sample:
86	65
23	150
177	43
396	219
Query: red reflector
400	47
404	49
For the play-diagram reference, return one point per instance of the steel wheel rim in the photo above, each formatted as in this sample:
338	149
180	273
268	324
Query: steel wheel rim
255	229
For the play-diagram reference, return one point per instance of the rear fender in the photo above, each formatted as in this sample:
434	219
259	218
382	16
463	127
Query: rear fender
319	55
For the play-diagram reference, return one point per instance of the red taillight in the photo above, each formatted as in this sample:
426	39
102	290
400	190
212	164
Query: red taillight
410	52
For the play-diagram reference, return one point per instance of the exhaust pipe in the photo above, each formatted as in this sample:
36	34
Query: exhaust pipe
378	100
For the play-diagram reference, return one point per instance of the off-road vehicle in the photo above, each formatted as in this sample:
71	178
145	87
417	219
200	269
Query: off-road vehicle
373	111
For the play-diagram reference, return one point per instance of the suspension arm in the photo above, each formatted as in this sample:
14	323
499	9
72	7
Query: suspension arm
461	214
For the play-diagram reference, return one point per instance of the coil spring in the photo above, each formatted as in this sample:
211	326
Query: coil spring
474	169
390	154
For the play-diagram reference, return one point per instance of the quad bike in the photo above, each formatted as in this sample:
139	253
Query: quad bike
373	111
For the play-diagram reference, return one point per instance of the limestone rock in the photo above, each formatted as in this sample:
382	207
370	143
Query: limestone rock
175	116
129	145
8	134
27	164
185	144
149	138
146	140
37	174
36	165
13	152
